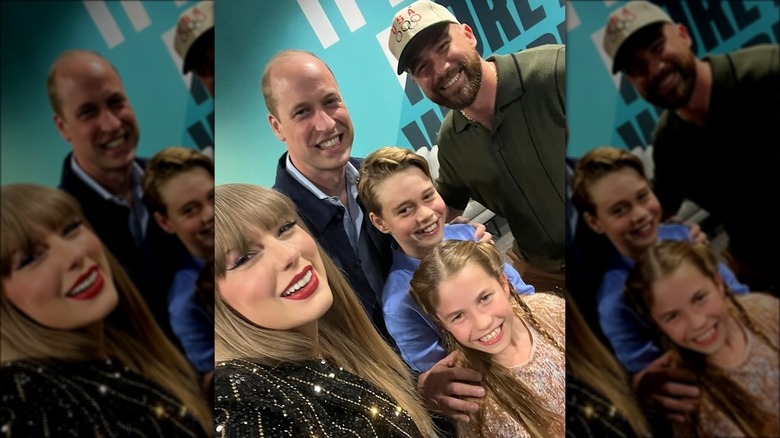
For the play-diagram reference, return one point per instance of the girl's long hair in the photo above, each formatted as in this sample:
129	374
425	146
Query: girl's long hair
588	360
730	398
511	395
346	335
131	334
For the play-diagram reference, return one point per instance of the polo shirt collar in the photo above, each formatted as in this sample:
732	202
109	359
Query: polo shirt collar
506	93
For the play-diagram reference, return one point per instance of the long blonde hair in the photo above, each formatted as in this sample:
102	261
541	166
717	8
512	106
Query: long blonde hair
660	260
346	336
513	396
588	360
130	332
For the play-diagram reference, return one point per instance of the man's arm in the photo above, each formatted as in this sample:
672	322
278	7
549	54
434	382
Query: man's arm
450	187
445	387
560	78
670	390
666	183
454	216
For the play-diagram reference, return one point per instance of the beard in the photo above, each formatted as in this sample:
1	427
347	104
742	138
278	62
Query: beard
679	95
463	97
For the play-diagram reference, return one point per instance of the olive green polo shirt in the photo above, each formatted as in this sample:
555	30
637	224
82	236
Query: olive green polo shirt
516	169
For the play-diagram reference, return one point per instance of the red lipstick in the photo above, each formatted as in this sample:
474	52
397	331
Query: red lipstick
88	285
307	289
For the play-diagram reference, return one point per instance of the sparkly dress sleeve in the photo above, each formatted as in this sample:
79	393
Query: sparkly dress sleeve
303	399
251	404
91	398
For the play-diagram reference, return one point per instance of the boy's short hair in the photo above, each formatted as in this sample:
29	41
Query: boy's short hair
382	164
165	165
593	166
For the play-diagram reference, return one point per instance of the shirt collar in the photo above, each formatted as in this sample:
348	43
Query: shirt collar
136	180
350	171
510	88
403	261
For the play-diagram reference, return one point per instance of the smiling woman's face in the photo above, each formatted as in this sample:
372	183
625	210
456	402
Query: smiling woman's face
280	282
64	281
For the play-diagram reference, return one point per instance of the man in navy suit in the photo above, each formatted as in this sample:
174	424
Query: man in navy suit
93	113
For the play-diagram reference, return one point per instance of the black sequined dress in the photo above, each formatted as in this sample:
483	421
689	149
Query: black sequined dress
303	399
100	398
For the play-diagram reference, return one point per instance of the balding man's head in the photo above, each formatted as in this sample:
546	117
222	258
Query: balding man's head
272	67
63	63
308	113
93	114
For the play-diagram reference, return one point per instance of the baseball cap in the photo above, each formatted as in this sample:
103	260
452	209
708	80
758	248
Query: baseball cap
627	21
410	22
193	23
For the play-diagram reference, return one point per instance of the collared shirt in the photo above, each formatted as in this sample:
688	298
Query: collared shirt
516	168
628	332
735	185
139	216
352	219
417	336
354	214
190	320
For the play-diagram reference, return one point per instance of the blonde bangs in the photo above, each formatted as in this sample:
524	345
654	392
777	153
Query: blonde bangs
28	211
240	210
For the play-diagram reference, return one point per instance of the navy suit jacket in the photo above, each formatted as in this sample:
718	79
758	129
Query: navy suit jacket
150	266
325	221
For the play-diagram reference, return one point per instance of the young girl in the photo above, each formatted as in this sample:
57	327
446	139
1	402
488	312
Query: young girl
729	341
296	354
81	354
516	343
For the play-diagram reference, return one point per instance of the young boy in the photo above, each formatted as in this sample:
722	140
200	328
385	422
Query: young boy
612	193
396	188
179	192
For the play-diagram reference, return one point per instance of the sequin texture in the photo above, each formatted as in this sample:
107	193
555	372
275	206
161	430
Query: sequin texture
98	398
544	372
590	414
303	399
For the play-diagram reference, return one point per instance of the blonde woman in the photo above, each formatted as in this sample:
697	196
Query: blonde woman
729	341
296	354
515	342
81	354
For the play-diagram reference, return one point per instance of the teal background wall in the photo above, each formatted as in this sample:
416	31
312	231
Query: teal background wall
351	37
135	36
603	109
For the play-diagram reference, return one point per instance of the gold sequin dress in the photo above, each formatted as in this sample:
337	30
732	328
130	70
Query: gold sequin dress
311	398
100	398
759	373
545	370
